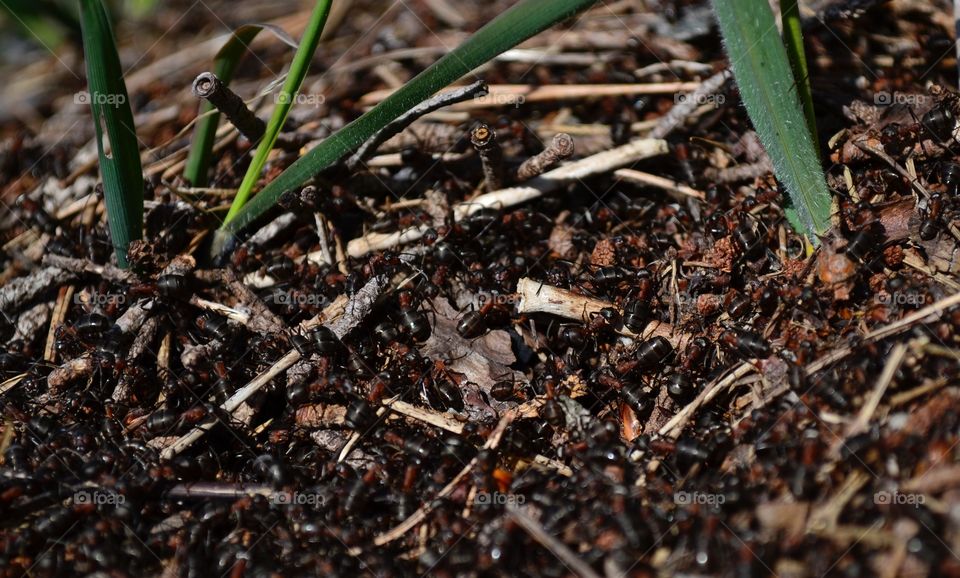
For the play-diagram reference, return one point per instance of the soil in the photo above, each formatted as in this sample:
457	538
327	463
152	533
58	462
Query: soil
617	377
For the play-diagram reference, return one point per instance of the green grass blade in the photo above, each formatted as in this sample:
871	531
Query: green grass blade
793	42
117	141
523	20
285	99
762	72
224	65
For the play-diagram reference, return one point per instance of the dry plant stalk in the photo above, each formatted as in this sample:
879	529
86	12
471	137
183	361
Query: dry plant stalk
484	139
560	148
546	183
537	297
211	88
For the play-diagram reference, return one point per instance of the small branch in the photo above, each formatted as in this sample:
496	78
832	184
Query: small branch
69	372
517	94
86	267
262	319
546	183
680	111
675	425
231	313
426	415
354	312
824	518
32	321
272	229
230	491
208	86
59	314
443	99
560	148
421	514
554	546
879	153
23	289
659	182
894	359
742	172
484	140
536	297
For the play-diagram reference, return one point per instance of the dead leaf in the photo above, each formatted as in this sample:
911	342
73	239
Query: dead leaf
482	361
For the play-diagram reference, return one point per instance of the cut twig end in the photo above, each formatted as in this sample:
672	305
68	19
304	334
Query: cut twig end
206	84
482	136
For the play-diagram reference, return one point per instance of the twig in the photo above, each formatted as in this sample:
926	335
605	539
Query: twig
921	390
895	328
23	289
687	66
358	308
59	313
824	518
894	359
560	148
269	231
32	321
537	297
231	313
347	448
484	140
70	371
420	515
9	384
323	256
84	266
134	317
675	425
689	104
232	491
937	479
459	94
743	172
262	320
426	415
554	546
659	182
516	94
208	86
535	188
879	153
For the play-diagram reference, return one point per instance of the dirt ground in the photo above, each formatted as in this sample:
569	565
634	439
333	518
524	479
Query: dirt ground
450	360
